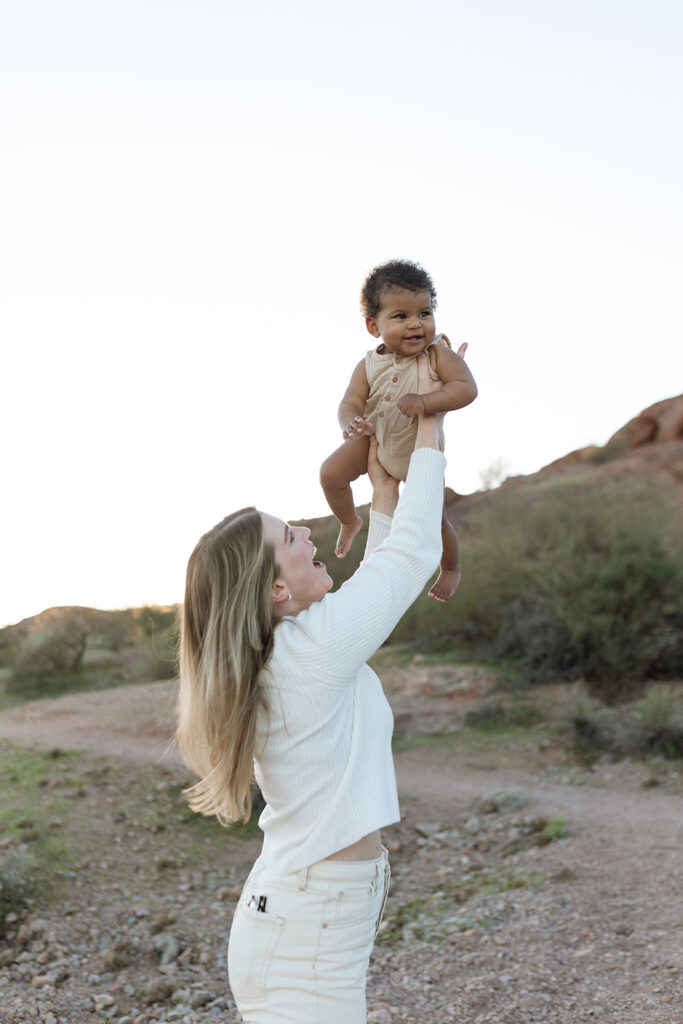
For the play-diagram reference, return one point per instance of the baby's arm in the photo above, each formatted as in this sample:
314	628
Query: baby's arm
458	387
350	412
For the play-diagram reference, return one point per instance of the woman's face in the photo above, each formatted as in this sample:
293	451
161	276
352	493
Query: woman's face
301	575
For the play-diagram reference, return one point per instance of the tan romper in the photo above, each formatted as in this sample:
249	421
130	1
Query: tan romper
390	376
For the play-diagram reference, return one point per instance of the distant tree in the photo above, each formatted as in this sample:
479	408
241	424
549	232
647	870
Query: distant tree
57	653
494	474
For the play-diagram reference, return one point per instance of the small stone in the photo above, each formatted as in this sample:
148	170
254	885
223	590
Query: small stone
379	1016
394	845
503	801
158	990
472	825
102	1000
161	920
41	981
181	995
169	947
428	829
200	998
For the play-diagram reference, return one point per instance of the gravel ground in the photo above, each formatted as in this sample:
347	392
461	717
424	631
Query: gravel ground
529	890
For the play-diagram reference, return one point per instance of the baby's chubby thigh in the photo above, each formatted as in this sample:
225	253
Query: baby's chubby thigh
346	463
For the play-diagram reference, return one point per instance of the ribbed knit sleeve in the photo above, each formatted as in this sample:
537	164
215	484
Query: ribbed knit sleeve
347	627
378	530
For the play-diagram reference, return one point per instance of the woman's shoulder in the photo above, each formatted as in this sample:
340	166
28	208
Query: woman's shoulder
294	634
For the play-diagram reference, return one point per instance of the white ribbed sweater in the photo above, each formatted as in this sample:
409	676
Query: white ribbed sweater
323	749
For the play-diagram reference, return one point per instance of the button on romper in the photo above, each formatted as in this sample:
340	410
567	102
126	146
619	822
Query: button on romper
390	376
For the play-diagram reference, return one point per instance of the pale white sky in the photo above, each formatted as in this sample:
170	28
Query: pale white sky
193	192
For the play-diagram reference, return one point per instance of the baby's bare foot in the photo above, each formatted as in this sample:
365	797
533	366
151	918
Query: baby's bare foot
346	534
446	585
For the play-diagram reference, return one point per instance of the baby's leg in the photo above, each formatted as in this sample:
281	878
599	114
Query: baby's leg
336	473
449	577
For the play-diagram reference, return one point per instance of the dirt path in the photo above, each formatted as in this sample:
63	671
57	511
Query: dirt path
602	939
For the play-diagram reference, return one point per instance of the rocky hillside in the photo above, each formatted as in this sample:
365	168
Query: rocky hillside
650	444
648	447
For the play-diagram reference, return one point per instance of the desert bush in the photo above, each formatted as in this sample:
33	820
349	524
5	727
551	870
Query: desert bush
46	663
650	726
15	881
11	640
56	653
571	581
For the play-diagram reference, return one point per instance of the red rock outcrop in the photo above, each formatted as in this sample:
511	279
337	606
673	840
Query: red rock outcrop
658	424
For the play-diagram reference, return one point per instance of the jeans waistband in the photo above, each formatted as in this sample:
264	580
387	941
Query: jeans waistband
331	871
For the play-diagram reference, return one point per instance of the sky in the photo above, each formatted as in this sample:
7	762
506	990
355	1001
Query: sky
191	194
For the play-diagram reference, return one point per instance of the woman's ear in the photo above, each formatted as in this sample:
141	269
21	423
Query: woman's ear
372	327
280	591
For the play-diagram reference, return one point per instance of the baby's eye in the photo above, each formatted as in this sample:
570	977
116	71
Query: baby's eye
427	312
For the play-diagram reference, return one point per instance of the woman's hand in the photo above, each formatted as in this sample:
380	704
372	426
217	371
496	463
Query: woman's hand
425	384
384	486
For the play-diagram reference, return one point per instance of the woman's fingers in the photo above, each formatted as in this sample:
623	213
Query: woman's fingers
425	384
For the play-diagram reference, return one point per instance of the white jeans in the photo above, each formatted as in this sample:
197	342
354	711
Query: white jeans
303	956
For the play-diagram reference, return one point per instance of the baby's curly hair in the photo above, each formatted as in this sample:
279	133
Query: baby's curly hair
393	274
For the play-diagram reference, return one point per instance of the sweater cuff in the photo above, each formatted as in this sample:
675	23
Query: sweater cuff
423	461
378	530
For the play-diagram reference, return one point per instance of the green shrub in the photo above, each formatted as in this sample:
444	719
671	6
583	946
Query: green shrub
650	726
659	708
15	881
576	581
555	828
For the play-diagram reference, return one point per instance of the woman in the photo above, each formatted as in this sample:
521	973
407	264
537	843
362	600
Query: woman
274	676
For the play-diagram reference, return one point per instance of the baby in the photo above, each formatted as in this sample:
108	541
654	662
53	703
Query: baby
397	301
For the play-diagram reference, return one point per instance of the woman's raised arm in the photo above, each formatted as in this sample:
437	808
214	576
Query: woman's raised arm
348	626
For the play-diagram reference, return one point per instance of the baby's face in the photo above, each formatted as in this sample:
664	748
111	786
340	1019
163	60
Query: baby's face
405	321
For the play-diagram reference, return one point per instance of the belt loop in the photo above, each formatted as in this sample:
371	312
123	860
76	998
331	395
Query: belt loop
303	878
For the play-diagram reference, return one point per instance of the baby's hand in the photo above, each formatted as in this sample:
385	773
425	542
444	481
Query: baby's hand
411	405
357	427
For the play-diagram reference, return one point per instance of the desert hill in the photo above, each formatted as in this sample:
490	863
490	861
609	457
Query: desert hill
649	446
573	571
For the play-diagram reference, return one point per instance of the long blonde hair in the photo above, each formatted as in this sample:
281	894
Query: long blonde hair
226	636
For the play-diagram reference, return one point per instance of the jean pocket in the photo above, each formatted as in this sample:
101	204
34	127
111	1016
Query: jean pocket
352	906
254	938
